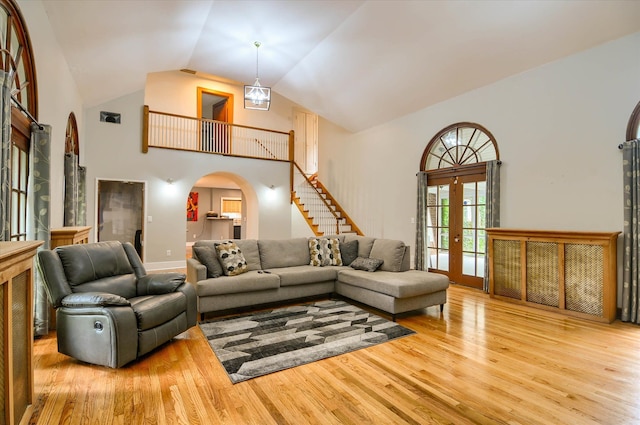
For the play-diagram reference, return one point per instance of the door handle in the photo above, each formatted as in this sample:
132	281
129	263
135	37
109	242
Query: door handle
457	238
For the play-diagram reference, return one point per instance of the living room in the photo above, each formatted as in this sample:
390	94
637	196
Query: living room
557	123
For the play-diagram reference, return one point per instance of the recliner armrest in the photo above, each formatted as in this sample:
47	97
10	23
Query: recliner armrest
93	299
158	284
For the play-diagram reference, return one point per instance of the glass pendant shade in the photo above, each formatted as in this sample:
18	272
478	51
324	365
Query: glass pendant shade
257	97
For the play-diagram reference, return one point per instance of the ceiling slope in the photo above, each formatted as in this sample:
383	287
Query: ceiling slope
356	63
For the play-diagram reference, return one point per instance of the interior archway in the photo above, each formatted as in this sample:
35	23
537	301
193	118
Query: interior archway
212	190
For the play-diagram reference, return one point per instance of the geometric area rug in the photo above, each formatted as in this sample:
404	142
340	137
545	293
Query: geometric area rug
264	342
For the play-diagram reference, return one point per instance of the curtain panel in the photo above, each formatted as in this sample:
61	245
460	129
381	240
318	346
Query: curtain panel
421	259
5	156
71	189
492	210
82	196
38	216
631	229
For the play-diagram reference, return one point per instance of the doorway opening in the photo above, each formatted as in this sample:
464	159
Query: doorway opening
121	213
216	108
455	161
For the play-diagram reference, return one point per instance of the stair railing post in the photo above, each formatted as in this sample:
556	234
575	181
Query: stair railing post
145	129
291	162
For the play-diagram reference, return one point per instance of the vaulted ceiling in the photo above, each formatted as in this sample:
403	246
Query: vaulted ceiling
356	63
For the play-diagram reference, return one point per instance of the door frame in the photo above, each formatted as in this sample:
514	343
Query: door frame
143	234
456	267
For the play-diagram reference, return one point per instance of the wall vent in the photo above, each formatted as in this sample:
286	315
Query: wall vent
112	117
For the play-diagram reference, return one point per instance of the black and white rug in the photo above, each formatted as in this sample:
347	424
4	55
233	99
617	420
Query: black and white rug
260	343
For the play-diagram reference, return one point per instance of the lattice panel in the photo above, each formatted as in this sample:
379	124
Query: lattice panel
21	376
542	273
507	269
584	276
3	384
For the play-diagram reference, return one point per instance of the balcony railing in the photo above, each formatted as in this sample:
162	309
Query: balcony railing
171	131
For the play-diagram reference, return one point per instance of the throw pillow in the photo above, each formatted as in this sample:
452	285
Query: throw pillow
325	252
317	252
366	264
209	257
334	251
231	258
348	251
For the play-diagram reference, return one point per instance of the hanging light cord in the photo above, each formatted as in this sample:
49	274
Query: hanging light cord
257	44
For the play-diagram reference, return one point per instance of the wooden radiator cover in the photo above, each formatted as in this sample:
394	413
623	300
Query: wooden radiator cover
569	272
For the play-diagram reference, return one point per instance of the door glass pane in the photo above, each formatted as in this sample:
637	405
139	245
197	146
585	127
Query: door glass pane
15	167
443	260
23	171
473	225
438	226
469	263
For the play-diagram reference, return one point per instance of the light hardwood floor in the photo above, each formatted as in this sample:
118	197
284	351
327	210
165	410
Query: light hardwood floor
482	361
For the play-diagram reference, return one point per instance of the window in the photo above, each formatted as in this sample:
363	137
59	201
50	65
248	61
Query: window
19	173
458	145
16	59
232	208
455	160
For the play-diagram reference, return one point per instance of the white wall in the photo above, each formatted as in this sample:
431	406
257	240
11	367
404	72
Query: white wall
177	92
115	151
58	96
557	129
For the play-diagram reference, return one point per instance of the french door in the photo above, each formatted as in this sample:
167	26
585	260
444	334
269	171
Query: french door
456	224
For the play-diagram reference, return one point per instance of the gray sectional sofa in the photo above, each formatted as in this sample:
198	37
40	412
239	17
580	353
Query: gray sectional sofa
281	270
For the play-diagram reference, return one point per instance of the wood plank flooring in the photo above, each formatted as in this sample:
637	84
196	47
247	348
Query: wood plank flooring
482	361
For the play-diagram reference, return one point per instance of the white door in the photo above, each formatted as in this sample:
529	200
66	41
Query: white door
306	141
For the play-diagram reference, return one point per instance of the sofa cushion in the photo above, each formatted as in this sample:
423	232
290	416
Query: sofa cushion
85	263
410	283
366	264
123	285
324	252
365	244
348	251
249	248
283	253
251	253
251	281
300	275
154	310
231	258
390	251
209	257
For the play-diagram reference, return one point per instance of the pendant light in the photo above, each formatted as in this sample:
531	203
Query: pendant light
257	96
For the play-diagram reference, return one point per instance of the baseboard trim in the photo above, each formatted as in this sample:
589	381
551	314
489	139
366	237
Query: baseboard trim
164	265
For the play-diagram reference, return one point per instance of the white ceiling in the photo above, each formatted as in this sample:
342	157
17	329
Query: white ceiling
356	63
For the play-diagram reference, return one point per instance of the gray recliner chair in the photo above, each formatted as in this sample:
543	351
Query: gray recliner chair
109	311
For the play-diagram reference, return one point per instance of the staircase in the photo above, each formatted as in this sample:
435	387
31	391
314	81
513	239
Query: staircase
319	208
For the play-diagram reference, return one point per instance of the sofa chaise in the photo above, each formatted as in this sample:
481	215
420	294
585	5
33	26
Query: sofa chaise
372	271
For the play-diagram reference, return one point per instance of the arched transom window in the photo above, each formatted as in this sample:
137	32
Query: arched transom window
457	145
633	128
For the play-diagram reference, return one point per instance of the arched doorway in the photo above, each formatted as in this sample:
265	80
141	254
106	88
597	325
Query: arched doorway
222	194
455	162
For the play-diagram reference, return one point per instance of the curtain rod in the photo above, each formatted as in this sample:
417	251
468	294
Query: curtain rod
621	145
23	109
